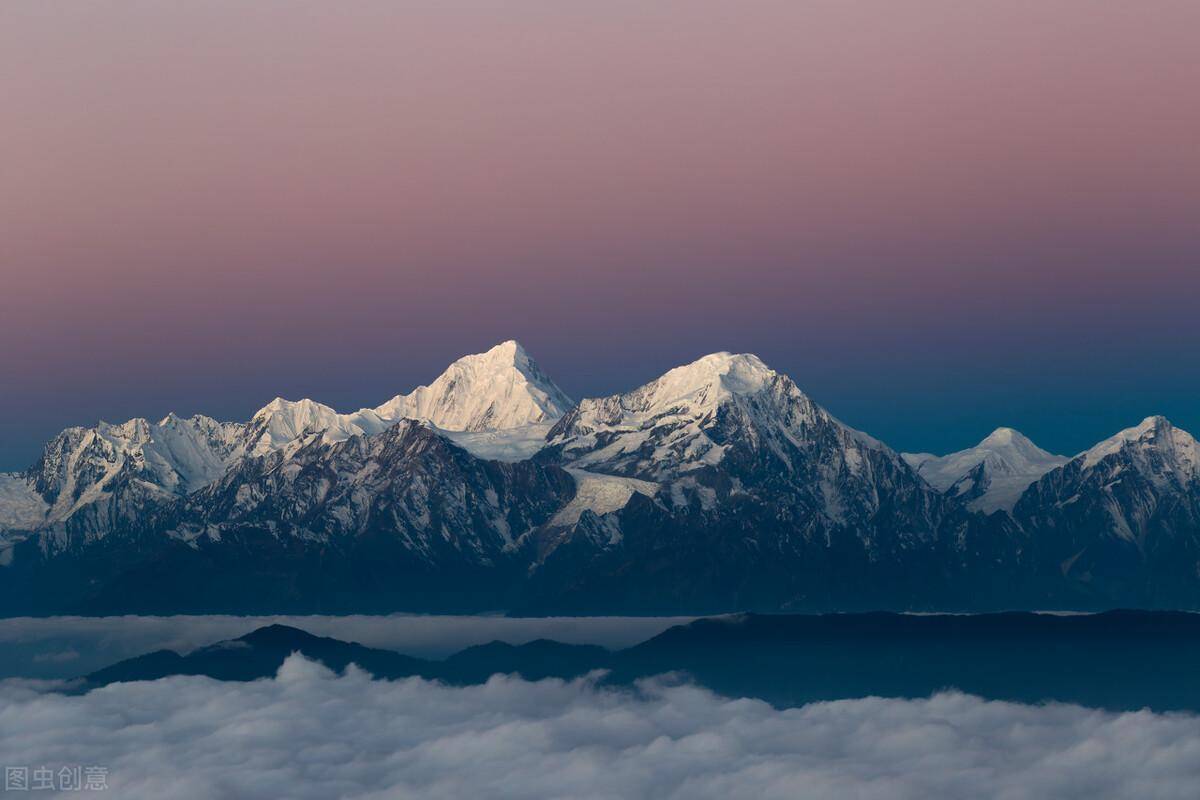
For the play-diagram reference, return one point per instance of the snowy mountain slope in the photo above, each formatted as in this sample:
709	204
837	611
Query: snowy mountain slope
667	426
173	457
728	424
502	388
990	476
499	403
21	507
1155	448
1123	518
508	444
403	519
659	429
600	494
407	481
1124	486
763	500
282	422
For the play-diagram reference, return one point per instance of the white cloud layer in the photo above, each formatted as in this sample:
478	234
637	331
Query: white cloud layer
310	734
64	647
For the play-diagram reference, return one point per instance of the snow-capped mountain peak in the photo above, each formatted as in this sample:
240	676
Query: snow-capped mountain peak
281	422
716	375
1154	438
725	425
495	390
1016	450
1138	485
82	466
291	410
1006	437
737	373
993	474
692	391
499	390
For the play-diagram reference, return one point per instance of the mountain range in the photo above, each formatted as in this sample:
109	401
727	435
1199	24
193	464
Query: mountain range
1149	658
719	486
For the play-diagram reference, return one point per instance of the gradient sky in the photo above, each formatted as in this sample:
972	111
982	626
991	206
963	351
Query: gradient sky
938	217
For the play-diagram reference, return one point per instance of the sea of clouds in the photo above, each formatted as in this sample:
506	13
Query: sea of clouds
308	733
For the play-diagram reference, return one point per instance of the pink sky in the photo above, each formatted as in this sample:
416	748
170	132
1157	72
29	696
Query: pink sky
209	197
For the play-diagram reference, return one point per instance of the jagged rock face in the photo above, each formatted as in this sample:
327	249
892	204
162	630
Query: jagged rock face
729	430
75	484
644	559
763	501
177	455
434	498
1124	517
94	479
404	519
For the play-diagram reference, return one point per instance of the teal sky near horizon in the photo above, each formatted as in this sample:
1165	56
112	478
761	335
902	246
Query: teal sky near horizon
937	217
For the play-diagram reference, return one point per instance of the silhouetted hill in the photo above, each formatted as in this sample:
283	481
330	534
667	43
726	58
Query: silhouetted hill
1116	660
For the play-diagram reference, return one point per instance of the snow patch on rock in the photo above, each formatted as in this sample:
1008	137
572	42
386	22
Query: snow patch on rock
510	444
601	494
21	508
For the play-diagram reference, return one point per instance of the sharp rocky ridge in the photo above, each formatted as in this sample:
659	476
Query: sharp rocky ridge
718	486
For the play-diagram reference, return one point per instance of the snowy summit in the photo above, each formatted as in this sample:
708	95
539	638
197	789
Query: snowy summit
498	390
992	475
502	388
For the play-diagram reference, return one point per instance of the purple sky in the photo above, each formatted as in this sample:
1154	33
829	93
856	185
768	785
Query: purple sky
937	216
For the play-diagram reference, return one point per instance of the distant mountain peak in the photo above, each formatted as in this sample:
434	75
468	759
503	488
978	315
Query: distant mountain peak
1139	484
304	406
497	389
993	474
738	374
281	422
721	426
509	351
1154	433
693	390
1016	447
1004	436
83	466
500	389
